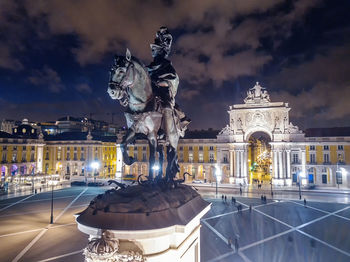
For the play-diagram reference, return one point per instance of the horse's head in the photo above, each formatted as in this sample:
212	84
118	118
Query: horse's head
121	77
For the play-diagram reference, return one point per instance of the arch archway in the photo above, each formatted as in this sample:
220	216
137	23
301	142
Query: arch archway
259	157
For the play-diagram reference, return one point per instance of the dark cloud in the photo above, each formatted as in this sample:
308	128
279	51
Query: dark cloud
219	48
47	77
84	88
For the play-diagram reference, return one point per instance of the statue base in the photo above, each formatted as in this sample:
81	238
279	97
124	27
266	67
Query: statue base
144	224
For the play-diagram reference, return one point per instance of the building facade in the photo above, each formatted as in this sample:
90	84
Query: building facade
258	145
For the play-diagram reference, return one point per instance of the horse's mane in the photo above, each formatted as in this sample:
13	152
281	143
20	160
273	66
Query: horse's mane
135	59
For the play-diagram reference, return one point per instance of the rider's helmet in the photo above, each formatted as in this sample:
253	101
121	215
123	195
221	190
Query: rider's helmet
162	42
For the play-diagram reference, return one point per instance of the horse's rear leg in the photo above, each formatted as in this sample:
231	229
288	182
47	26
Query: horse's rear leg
127	139
161	160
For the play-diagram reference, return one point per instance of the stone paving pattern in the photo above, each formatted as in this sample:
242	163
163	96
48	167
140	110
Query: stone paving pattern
273	231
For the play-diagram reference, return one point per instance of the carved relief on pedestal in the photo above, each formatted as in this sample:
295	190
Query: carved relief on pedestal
106	249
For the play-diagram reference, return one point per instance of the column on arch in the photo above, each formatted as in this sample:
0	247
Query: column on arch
288	164
275	163
280	164
232	173
236	163
245	162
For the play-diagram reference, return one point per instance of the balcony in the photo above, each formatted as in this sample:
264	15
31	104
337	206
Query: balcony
3	161
82	159
327	163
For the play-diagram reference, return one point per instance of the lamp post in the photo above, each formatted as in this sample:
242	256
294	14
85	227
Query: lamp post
95	165
300	176
218	178
51	217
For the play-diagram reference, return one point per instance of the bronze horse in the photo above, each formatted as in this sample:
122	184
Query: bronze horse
130	83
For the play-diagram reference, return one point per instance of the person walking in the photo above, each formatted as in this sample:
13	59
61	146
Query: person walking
304	202
240	190
225	198
250	208
222	197
236	245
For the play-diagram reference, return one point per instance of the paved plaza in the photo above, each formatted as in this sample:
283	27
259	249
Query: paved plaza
278	230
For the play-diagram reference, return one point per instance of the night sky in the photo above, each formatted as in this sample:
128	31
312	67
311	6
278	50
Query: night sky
55	56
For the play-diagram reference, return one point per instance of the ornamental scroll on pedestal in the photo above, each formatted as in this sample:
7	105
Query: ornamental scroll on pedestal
106	249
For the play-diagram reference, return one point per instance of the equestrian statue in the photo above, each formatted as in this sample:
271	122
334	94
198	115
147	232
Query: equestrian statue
148	94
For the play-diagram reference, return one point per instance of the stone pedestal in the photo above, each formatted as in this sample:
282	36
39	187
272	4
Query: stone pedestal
166	227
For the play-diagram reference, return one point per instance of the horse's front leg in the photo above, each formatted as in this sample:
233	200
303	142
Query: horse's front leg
127	139
152	141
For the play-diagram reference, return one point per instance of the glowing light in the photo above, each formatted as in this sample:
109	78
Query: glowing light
218	174
155	167
95	165
343	171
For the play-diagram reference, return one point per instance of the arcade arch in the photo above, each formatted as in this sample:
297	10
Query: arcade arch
259	157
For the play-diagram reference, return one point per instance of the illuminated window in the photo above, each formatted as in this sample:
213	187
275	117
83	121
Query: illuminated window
190	157
200	157
211	157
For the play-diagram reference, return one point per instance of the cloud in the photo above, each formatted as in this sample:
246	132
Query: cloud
84	88
47	77
7	60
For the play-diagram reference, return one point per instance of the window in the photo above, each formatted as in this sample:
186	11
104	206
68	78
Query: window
190	157
82	149
211	157
32	157
326	158
181	157
75	156
295	158
135	155
190	148
24	148
324	179
75	148
68	155
181	148
340	147
312	148
4	156
201	148
82	158
47	155
340	158
4	147
225	159
211	148
312	158
326	147
200	158
14	148
14	157
33	148
144	158
144	148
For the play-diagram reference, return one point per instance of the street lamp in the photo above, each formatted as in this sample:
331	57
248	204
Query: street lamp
95	165
301	175
218	178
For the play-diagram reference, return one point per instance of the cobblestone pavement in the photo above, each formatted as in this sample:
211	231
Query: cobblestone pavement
273	231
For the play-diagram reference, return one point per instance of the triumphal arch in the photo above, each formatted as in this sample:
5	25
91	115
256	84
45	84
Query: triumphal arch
259	139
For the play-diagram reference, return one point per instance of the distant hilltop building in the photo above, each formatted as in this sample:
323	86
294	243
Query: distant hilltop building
259	145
